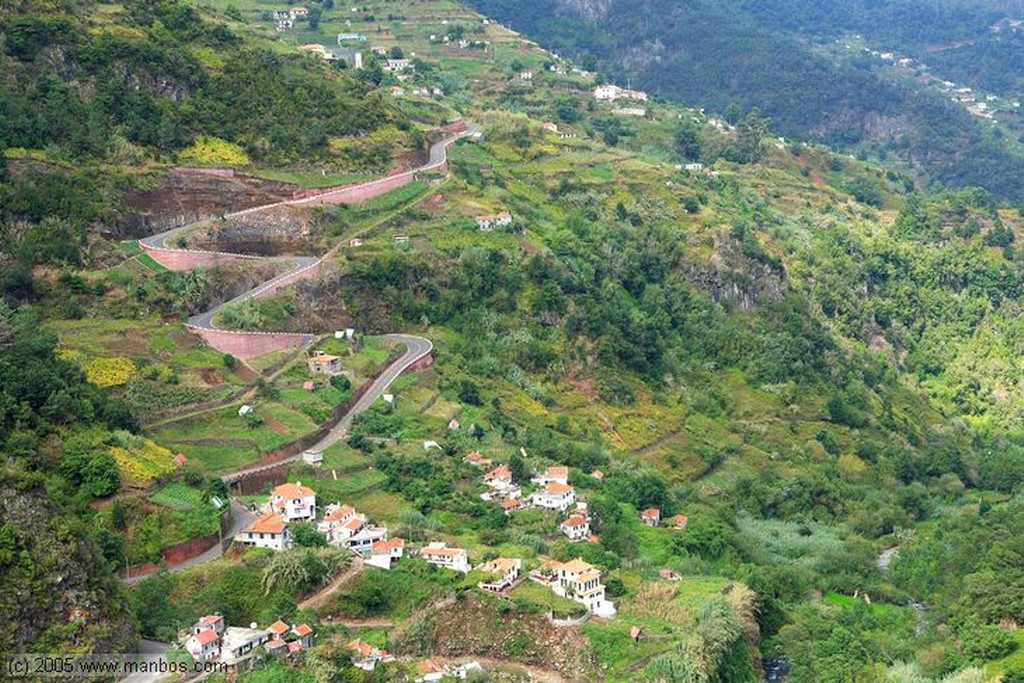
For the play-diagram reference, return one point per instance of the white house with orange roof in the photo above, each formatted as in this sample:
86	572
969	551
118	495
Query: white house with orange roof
510	504
499	478
554	496
204	645
651	516
581	581
576	527
304	633
366	655
346	528
506	571
294	502
490	222
385	554
278	630
476	459
558	474
439	554
336	515
269	531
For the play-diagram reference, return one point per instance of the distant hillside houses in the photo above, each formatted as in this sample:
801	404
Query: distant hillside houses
499	220
612	93
396	65
212	640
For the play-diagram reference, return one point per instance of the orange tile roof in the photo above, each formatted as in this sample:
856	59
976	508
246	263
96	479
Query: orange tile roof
353	524
207	636
293	491
363	648
555	487
576	566
386	546
650	513
279	627
501	565
575	520
339	513
511	503
559	471
499	472
303	630
270	523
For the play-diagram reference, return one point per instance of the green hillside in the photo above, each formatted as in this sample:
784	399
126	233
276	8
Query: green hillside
807	355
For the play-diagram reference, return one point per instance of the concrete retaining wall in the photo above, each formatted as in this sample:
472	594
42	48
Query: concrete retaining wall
248	345
179	259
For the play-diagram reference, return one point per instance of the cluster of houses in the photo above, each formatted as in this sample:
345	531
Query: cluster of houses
212	640
555	492
286	18
353	58
613	93
341	525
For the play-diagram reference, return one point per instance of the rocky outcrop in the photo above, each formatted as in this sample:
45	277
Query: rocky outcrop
182	197
57	593
735	280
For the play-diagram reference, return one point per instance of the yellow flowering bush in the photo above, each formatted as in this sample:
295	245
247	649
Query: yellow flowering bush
109	372
212	151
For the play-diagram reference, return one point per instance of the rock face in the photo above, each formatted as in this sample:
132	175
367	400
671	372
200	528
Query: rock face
737	280
588	10
57	593
181	198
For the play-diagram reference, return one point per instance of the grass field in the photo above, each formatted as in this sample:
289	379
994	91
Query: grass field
178	495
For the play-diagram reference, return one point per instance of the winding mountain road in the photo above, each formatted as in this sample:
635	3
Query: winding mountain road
416	348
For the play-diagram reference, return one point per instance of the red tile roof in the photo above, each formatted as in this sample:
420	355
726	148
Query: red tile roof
386	546
270	523
303	630
290	491
279	627
207	636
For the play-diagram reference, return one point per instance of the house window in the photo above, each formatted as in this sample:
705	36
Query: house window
261	536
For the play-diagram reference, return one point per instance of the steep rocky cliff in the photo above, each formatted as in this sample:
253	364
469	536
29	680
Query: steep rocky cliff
57	594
